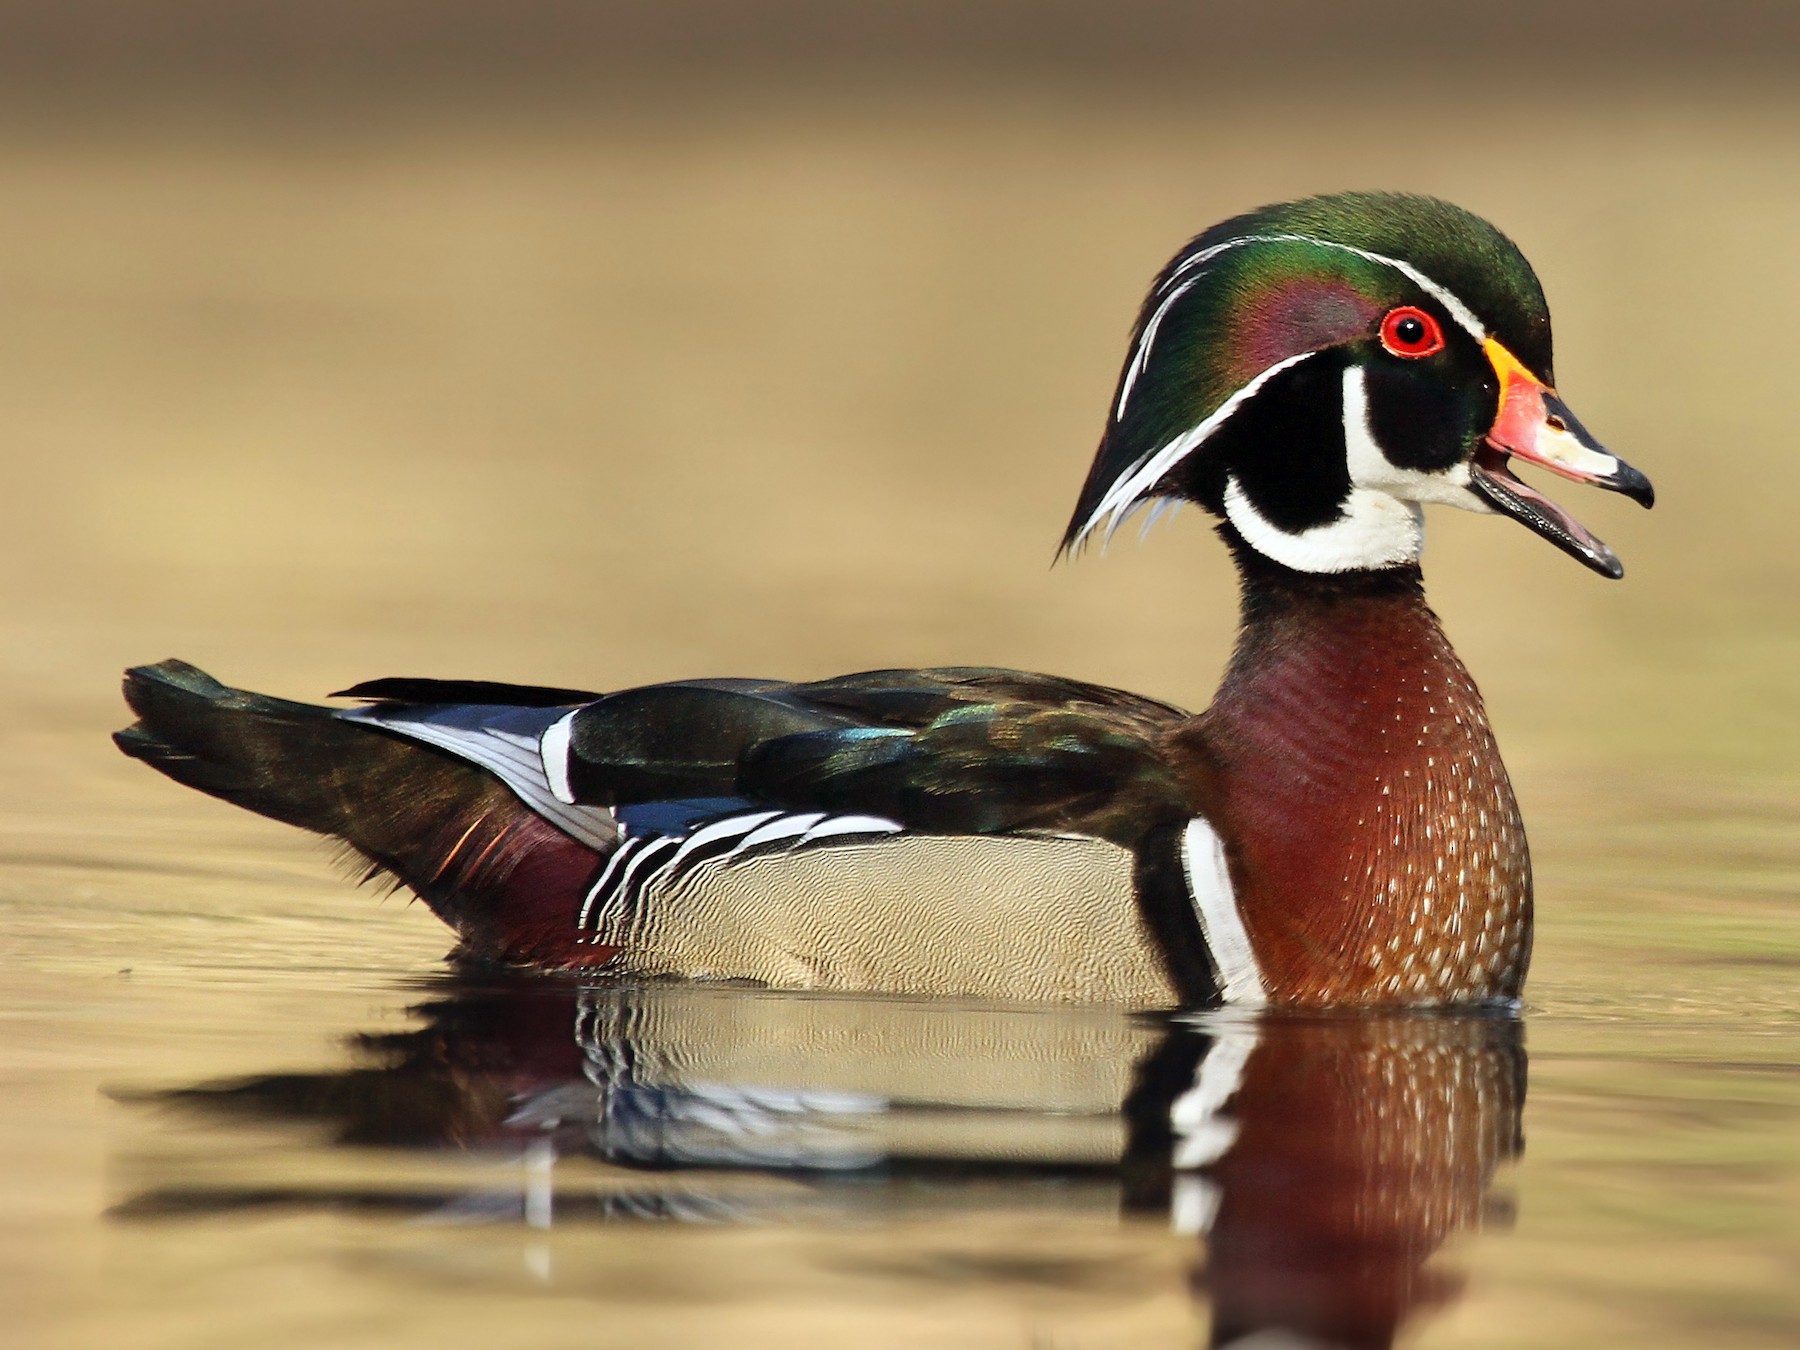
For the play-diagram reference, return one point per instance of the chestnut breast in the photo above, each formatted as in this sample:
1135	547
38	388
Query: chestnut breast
1376	850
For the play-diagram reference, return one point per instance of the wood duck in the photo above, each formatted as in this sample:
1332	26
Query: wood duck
1337	829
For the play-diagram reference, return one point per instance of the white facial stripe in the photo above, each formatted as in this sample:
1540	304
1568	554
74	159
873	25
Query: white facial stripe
1147	339
1370	468
1176	288
1151	470
1464	316
1179	282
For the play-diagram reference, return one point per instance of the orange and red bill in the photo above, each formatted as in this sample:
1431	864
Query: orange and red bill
1537	426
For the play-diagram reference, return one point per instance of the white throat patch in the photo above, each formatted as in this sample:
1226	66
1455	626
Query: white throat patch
1382	524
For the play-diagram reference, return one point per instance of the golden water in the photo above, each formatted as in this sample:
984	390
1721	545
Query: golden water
621	393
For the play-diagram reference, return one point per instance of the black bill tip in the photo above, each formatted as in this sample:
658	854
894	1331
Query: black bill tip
1633	484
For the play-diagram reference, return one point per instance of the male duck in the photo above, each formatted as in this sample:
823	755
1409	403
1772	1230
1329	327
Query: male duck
1337	829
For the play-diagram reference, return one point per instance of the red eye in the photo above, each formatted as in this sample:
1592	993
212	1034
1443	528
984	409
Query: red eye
1409	331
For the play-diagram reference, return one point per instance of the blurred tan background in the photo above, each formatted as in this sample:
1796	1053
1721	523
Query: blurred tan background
598	343
603	343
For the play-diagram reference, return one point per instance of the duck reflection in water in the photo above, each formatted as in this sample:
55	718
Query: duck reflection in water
1326	1160
1320	1161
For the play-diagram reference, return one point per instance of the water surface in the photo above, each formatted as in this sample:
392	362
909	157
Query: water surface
246	1103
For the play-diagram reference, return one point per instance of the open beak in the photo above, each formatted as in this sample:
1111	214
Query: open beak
1538	427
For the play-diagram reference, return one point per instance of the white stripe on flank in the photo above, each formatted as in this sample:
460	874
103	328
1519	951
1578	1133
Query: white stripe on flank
1209	883
720	829
832	826
554	750
644	862
783	827
625	849
1203	1133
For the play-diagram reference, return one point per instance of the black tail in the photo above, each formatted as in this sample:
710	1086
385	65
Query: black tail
293	762
484	862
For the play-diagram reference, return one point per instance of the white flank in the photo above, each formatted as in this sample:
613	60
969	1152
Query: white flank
1209	883
554	747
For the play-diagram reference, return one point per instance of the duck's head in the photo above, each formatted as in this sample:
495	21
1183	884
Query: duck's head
1315	372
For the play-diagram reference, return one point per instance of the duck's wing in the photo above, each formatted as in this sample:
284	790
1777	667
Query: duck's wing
980	752
953	751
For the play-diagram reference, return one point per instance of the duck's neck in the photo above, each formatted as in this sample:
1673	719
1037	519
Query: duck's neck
1377	853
